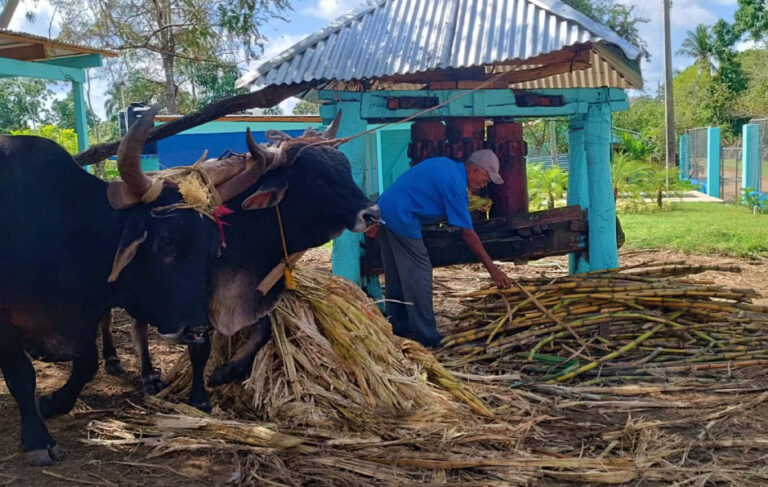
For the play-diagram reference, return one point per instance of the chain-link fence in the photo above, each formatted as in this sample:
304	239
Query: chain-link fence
697	163
730	173
761	175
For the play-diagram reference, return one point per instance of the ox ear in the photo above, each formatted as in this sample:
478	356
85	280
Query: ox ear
264	198
134	235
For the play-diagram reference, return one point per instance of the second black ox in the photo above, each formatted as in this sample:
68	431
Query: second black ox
73	247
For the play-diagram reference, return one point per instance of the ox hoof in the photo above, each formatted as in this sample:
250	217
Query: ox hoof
151	384
226	374
113	366
49	407
45	456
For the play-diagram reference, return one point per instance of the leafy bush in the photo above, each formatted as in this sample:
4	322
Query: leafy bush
67	138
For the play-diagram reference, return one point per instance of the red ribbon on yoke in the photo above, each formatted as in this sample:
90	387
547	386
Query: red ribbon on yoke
218	213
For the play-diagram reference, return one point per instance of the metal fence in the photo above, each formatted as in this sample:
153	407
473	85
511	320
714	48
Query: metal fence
562	160
761	174
730	173
697	163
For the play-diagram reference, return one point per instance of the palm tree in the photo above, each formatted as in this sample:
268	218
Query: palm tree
699	44
546	186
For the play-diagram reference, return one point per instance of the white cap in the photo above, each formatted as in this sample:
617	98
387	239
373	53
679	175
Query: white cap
487	160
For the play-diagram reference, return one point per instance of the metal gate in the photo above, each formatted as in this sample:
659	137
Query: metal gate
730	173
697	164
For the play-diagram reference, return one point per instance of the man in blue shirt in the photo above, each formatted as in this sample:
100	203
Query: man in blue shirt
432	190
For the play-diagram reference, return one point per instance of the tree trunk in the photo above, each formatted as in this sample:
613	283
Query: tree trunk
170	85
7	13
659	196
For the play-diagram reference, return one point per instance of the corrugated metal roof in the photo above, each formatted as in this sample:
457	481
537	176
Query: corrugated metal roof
15	45
386	38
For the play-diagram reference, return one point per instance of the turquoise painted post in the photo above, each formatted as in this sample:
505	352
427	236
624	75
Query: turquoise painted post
684	155
81	121
380	165
578	185
347	248
713	161
750	156
603	253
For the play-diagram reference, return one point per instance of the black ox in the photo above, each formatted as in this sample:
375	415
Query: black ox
74	246
317	200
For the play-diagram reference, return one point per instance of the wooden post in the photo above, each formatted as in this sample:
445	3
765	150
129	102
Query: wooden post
603	253
578	185
81	116
684	156
750	156
713	161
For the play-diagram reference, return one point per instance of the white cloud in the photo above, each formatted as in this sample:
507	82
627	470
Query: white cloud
277	45
687	14
332	9
288	105
746	45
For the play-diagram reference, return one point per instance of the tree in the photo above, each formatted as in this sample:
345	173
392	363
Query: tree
23	103
275	110
305	107
63	113
164	32
211	82
618	17
136	88
699	44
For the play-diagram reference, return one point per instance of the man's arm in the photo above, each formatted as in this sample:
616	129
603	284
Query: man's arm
476	246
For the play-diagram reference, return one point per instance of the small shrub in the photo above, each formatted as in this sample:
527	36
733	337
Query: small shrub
755	200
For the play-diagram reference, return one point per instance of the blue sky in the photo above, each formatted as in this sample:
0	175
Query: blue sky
310	15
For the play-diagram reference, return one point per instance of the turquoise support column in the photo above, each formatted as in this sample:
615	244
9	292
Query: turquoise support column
750	156
684	155
578	185
603	253
713	162
81	120
347	249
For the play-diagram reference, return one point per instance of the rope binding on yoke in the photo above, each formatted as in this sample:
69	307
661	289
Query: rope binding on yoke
290	281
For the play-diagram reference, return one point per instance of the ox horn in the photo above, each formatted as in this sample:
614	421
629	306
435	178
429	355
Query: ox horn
129	153
264	160
258	152
135	185
330	132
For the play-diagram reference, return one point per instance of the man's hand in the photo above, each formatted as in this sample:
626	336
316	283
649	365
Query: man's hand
499	278
372	231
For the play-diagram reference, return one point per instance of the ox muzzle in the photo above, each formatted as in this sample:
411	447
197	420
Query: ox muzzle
366	217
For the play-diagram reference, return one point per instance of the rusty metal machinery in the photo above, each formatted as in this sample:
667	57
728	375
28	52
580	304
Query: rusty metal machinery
465	136
512	238
511	234
428	139
506	140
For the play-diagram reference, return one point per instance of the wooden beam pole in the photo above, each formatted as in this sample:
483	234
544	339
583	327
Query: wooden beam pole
14	67
32	52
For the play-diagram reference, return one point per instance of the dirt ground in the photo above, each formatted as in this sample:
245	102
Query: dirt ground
105	396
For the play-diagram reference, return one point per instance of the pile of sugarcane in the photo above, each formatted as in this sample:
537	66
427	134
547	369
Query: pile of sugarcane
638	322
333	359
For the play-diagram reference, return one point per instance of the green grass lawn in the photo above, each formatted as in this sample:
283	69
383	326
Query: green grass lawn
702	228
